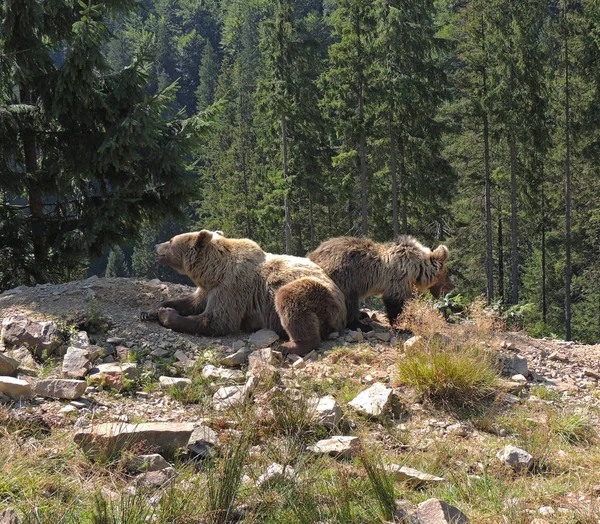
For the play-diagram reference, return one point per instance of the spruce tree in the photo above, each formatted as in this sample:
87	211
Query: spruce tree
116	265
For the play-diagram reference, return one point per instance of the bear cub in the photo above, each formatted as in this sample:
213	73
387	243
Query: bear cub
240	287
362	268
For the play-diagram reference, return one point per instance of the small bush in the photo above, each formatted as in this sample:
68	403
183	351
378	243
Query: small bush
461	376
544	393
421	318
573	429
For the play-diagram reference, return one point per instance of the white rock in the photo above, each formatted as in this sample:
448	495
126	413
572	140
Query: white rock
413	343
518	378
263	338
411	476
212	372
228	396
546	510
67	409
80	340
354	336
60	388
178	382
76	362
436	511
339	446
516	458
113	375
152	462
236	359
275	473
43	338
384	336
15	388
373	401
328	411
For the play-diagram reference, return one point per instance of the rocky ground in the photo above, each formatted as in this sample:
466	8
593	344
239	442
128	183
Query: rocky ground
105	415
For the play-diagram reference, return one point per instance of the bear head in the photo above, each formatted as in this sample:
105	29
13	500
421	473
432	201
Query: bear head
433	276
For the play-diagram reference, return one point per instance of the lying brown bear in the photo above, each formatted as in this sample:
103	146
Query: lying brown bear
240	287
362	268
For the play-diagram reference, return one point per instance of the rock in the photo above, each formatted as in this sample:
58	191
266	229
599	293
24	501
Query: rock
43	338
76	362
115	340
25	359
518	459
60	388
263	338
384	336
546	510
333	336
122	353
67	409
236	359
354	336
514	366
7	365
436	511
518	378
182	357
458	429
539	521
113	375
159	353
328	412
237	345
153	480
228	396
9	516
592	373
262	361
80	340
558	357
339	446
15	388
112	437
153	462
212	372
412	477
373	401
275	473
204	434
413	343
168	382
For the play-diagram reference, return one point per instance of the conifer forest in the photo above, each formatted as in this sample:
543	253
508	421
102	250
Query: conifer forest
475	124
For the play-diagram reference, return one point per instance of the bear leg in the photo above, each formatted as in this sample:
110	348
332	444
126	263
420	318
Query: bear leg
187	306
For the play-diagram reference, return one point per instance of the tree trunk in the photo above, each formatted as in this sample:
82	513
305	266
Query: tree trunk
567	192
514	251
544	298
362	147
500	254
311	224
489	259
395	222
286	204
403	191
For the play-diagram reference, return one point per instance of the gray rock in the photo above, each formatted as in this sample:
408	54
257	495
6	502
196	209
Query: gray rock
514	366
338	446
436	511
7	365
412	477
80	340
383	336
237	345
167	382
9	516
212	372
113	375
152	480
263	361
111	437
182	357
76	363
25	359
67	409
275	473
263	338
236	359
204	434
354	336
115	340
15	388
159	353
413	343
517	458
373	401
228	396
153	462
43	338
328	412
60	388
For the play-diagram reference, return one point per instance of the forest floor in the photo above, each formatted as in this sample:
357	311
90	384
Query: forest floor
448	402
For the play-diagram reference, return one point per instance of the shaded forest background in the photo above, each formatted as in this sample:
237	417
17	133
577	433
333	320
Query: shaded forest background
471	123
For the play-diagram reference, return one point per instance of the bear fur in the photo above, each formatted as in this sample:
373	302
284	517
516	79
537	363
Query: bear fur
240	287
362	268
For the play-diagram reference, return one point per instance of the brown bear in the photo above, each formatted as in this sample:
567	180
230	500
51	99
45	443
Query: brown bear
240	287
361	268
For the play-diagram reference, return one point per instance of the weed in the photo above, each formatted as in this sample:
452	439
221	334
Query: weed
544	393
382	483
573	428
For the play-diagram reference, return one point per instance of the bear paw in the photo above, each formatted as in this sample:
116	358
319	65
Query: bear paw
166	315
148	316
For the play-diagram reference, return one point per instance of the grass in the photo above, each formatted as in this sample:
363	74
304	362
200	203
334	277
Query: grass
544	393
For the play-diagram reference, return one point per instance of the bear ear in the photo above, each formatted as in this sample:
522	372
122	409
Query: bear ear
440	253
202	238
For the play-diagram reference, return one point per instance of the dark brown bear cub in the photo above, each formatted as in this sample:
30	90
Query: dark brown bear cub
240	287
362	268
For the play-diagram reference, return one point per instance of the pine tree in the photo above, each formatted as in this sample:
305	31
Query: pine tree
116	265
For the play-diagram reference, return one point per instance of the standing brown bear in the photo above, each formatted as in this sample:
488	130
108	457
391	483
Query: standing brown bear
362	268
240	287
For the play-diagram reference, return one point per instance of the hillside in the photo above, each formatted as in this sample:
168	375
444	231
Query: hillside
243	443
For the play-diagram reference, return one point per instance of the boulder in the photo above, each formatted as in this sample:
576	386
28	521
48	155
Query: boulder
236	359
111	437
43	338
113	375
212	372
436	511
275	473
15	388
177	382
412	477
263	361
328	411
373	401
153	462
202	440
383	336
76	362
517	458
60	388
338	446
228	396
263	338
7	365
354	336
25	360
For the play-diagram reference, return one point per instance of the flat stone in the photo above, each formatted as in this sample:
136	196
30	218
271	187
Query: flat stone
204	434
518	378
328	412
178	382
592	373
159	353
236	359
15	388
413	343
412	477
81	340
514	366
237	345
115	340
153	462
9	516
275	473
517	458
60	388
558	357
153	480
436	511
27	363
263	361
112	437
112	375
354	336
122	353
213	372
181	356
263	338
373	401
43	338
339	446
383	336
76	362
68	409
8	365
228	396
